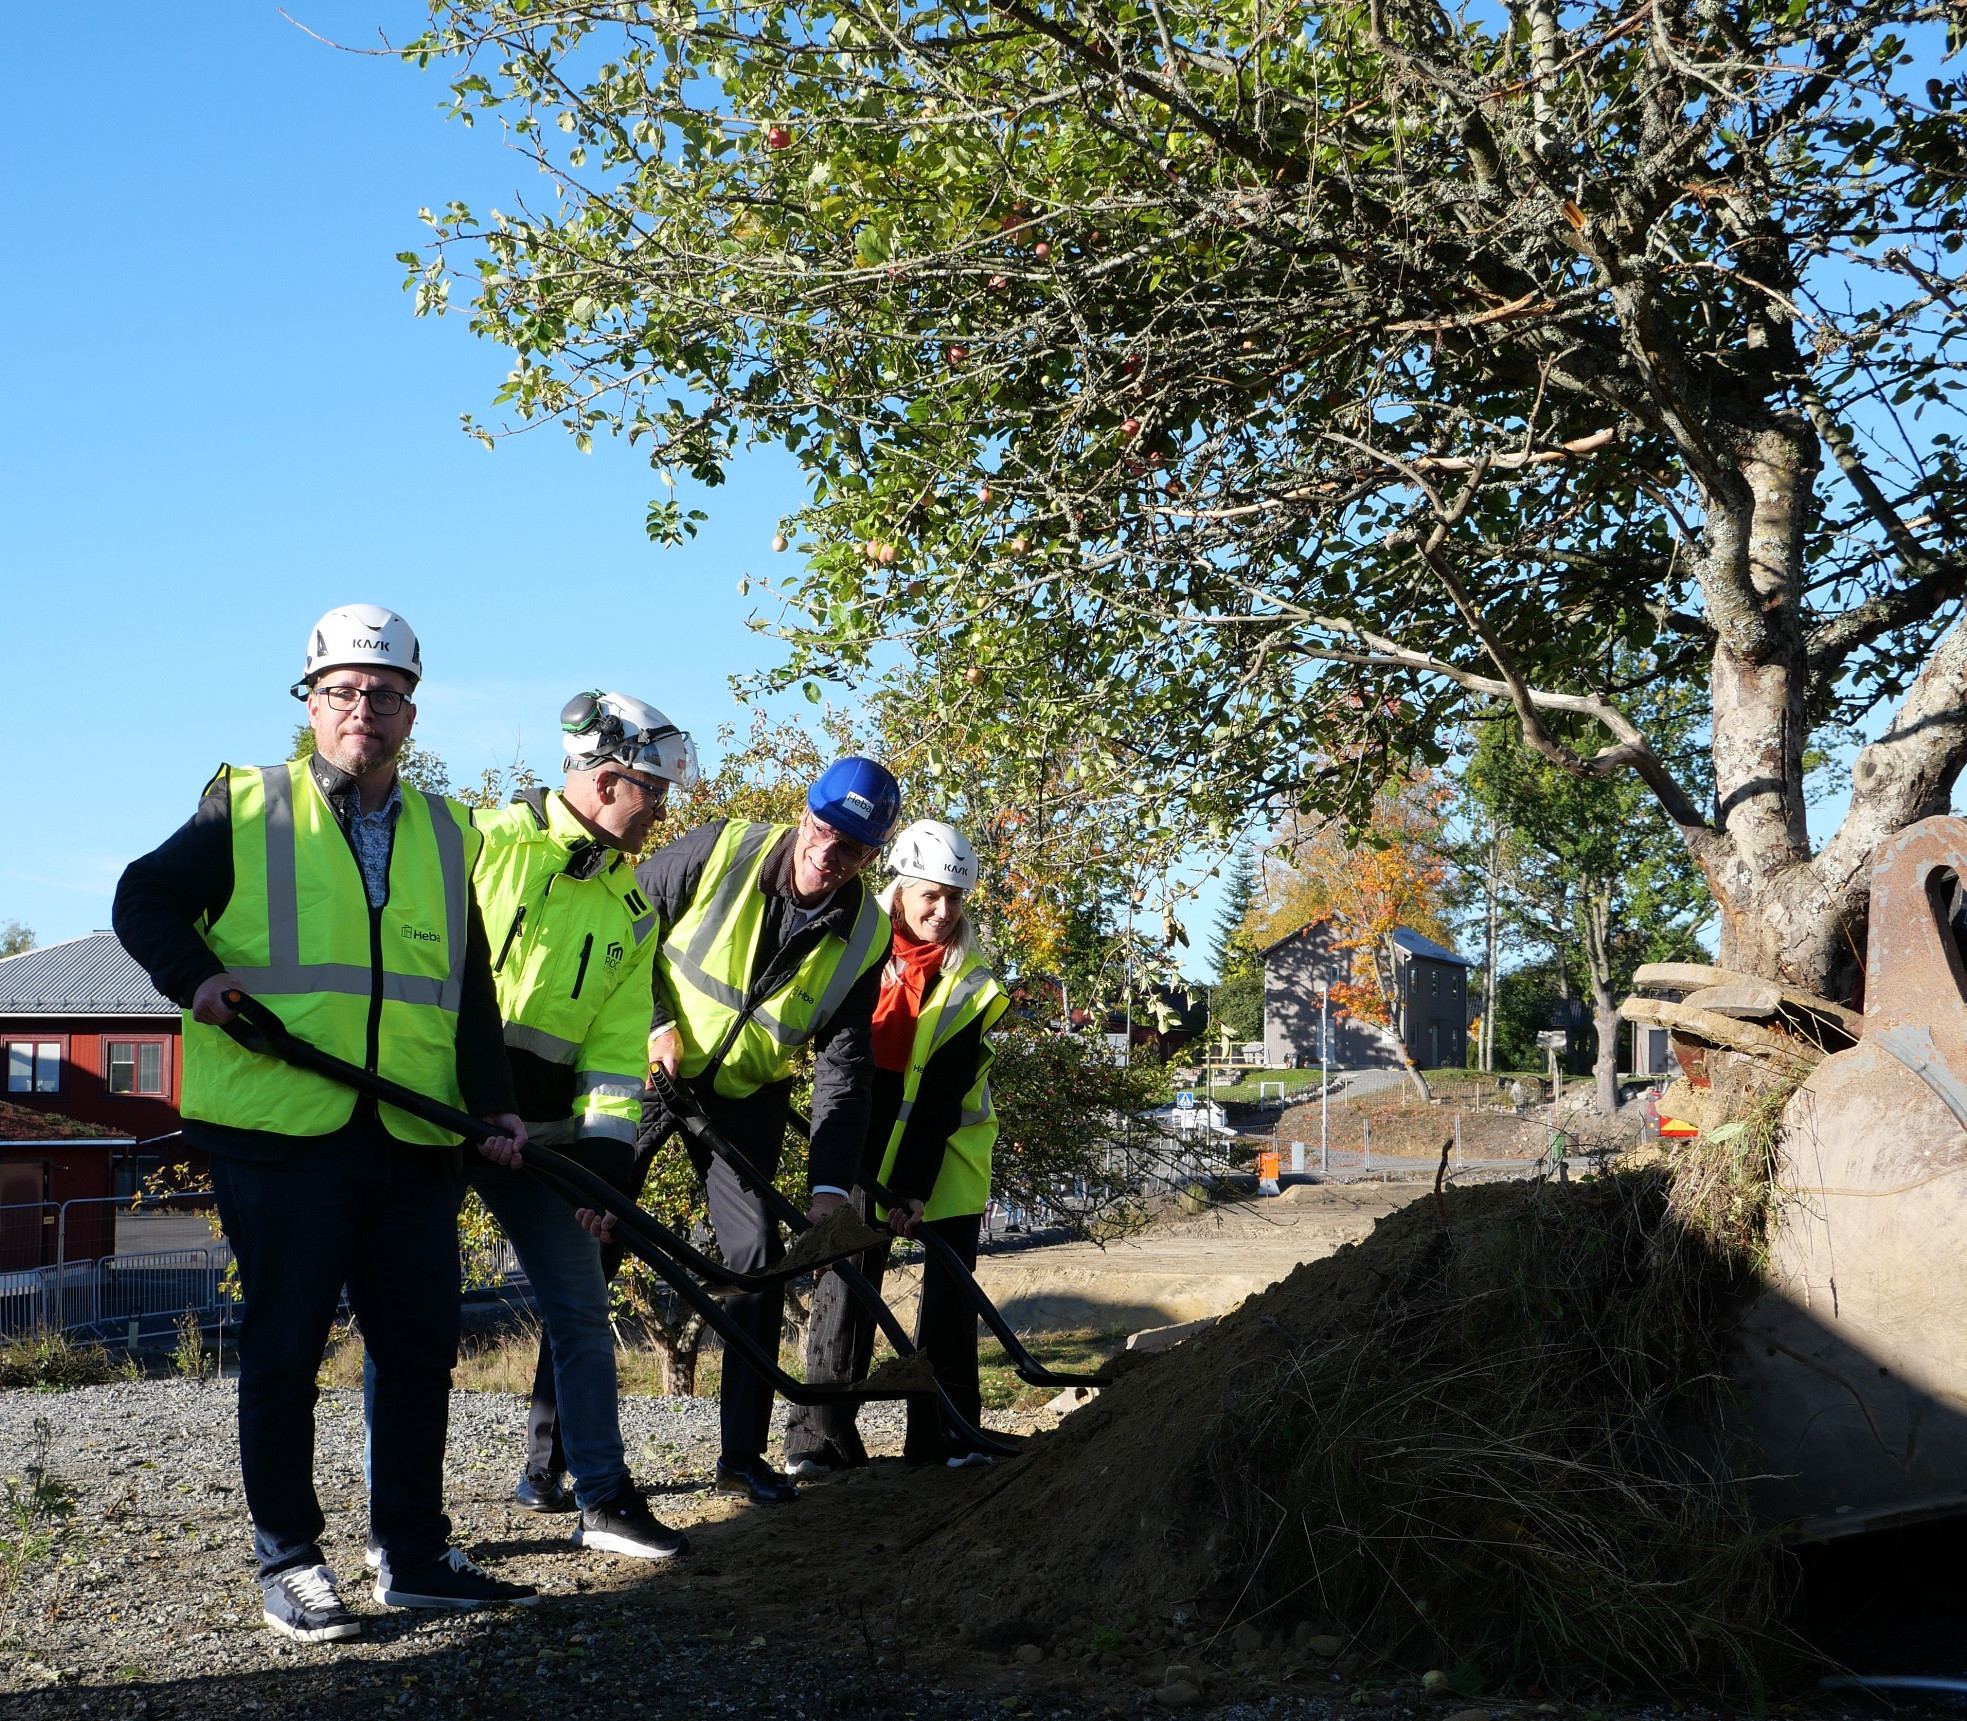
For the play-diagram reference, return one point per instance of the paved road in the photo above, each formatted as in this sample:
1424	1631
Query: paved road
1182	1269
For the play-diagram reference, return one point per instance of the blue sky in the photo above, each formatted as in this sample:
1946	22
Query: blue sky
224	419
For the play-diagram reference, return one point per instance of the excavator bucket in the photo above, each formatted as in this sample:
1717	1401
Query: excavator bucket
1853	1359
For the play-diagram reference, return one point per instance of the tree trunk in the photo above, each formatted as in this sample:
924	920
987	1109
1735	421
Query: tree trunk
1492	879
678	1346
1595	915
1386	976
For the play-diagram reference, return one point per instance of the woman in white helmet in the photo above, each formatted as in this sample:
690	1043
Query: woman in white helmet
929	1140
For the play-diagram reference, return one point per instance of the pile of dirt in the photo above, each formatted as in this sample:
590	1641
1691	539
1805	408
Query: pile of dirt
1489	1438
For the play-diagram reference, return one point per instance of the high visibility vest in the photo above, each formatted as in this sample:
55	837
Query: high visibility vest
708	958
570	958
963	1183
380	991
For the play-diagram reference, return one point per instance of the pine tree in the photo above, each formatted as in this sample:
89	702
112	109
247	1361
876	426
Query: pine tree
1231	946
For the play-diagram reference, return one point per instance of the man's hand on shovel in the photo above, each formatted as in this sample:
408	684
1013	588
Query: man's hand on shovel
504	1149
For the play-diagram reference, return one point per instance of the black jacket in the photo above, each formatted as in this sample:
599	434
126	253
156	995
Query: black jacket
160	898
843	1071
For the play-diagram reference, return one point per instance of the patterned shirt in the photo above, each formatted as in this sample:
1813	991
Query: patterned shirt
371	834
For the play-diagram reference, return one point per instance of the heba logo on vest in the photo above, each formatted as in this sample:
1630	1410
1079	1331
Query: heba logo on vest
420	935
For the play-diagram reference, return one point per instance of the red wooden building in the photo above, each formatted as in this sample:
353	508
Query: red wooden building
93	1060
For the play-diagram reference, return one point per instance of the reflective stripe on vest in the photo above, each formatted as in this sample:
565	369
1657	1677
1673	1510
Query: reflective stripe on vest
297	930
710	953
963	1182
284	971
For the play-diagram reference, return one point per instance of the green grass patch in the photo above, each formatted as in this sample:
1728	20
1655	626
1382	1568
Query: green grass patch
1079	1352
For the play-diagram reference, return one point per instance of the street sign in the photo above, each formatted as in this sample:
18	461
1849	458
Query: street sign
1185	1100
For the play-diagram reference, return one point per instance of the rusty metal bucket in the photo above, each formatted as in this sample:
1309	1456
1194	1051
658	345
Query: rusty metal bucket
1853	1361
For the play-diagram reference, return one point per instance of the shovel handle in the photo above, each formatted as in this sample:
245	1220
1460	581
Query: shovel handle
689	1115
1028	1368
259	1030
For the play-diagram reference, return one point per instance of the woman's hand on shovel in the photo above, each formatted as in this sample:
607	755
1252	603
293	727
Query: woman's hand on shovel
504	1149
599	1225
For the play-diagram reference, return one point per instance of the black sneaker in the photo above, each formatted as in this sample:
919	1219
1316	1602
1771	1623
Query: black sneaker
754	1478
538	1492
450	1580
301	1603
625	1525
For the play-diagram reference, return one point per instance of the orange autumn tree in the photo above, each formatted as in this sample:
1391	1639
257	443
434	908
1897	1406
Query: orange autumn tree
1366	883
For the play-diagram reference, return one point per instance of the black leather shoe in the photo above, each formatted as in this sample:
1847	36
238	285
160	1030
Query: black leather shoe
538	1492
756	1478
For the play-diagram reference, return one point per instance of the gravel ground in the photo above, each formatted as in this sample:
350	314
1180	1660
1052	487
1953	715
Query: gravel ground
147	1607
147	1604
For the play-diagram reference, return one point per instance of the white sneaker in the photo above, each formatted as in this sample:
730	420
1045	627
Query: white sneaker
301	1603
808	1470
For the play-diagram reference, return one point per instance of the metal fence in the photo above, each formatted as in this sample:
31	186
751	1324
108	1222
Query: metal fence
124	1292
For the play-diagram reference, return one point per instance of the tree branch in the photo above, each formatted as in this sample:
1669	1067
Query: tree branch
1629	751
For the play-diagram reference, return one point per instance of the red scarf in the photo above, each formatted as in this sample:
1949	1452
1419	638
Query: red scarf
910	972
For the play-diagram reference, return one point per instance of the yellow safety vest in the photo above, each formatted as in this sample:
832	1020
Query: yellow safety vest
708	955
570	957
963	1183
297	931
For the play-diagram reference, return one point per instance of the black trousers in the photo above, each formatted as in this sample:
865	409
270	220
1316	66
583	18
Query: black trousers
840	1346
360	1209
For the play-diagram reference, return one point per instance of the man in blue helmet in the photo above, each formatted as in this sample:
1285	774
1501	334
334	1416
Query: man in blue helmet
770	941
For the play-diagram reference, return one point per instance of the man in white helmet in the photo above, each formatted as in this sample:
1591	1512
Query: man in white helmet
341	898
572	941
929	1139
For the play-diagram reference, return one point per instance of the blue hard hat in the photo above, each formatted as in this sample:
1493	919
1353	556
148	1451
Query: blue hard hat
858	797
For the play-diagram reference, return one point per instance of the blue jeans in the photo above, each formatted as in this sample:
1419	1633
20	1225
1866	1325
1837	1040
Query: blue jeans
355	1208
564	1265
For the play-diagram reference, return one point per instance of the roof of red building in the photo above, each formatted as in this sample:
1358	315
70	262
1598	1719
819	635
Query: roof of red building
23	1123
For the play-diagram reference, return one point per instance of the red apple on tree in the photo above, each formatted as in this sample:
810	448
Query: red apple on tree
778	137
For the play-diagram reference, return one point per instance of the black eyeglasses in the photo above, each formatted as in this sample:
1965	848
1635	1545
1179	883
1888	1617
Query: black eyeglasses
657	788
383	701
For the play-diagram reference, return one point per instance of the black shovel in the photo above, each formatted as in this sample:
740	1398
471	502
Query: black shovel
259	1030
1029	1369
690	1118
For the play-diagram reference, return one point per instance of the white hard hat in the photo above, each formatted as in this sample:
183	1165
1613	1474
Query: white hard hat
363	636
611	728
932	850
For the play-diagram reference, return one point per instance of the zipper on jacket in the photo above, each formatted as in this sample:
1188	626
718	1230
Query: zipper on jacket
580	973
511	932
374	1047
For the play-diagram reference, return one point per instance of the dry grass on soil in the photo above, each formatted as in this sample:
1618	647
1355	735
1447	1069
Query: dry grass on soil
1467	1442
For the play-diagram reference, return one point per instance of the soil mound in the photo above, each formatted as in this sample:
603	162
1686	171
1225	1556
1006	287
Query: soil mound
1488	1438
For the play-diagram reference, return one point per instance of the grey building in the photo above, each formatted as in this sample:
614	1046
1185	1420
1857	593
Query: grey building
1432	982
1432	986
